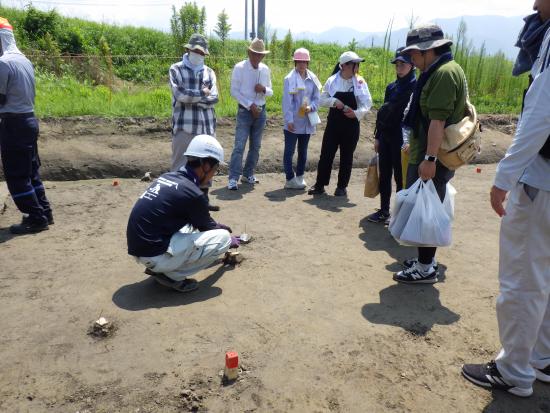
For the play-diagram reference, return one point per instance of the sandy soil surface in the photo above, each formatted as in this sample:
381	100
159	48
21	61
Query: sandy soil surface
313	312
86	147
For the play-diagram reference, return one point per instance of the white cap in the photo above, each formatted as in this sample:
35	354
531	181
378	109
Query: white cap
205	146
350	56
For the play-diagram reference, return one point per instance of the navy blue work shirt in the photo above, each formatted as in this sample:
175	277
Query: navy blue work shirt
171	202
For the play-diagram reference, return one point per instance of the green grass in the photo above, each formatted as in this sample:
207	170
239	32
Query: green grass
131	77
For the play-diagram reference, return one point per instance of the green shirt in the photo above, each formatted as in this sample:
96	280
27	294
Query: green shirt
443	98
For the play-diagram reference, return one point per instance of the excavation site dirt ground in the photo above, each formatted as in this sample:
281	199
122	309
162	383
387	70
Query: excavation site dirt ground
318	322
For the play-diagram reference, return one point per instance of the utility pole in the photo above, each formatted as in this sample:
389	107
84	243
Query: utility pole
253	32
245	19
261	19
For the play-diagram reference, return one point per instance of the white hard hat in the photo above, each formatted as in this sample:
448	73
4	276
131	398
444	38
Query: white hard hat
205	146
350	56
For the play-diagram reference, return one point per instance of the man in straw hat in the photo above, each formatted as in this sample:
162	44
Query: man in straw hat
19	136
194	94
250	84
438	100
523	305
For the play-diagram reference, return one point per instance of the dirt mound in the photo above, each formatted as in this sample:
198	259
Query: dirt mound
91	147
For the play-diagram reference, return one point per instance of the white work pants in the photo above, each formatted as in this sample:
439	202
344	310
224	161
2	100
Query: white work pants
189	253
523	310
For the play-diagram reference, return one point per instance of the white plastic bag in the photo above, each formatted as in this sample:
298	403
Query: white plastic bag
420	218
449	201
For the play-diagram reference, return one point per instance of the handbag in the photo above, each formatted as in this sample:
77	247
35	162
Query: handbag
372	182
461	141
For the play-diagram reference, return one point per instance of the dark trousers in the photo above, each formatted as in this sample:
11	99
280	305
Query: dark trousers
389	161
345	138
19	152
442	176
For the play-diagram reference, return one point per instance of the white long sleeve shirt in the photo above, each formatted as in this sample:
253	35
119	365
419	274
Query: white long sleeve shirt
243	80
337	83
522	162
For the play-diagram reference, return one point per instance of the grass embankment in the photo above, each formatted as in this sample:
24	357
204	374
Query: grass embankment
88	68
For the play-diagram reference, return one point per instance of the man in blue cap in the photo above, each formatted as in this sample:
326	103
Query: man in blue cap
388	138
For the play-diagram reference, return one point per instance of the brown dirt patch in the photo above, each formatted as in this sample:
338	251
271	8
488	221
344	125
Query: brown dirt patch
91	148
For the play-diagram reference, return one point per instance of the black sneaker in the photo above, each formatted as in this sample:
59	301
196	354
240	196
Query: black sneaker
413	261
488	376
49	217
543	374
316	190
28	227
415	275
379	216
340	192
213	207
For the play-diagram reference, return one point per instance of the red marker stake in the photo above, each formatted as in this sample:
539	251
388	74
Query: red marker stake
231	371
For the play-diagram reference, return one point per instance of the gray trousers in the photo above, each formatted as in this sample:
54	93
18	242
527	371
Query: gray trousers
180	142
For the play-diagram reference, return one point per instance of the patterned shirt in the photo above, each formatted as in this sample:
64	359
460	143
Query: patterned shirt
193	111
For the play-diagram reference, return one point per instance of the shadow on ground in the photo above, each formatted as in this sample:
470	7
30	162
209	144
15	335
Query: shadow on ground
504	402
148	293
330	203
414	308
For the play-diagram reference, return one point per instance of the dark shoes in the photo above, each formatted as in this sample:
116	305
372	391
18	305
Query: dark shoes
340	192
316	190
488	376
379	217
28	227
49	217
184	286
213	207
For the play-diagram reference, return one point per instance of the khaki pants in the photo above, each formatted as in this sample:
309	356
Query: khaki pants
523	309
189	253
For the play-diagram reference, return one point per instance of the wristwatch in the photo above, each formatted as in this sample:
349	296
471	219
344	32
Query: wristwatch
430	158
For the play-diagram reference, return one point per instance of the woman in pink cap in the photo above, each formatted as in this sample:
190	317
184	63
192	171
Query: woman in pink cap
301	94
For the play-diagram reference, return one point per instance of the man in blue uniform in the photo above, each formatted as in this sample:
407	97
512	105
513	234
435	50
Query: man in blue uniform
170	230
19	136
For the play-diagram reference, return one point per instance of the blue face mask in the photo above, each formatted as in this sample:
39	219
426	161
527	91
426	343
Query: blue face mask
196	59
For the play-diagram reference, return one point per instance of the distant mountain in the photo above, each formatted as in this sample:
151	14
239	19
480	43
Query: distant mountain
499	33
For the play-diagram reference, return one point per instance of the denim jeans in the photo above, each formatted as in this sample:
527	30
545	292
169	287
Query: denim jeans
290	147
247	127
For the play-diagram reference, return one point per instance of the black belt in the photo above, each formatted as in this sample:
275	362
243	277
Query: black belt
10	115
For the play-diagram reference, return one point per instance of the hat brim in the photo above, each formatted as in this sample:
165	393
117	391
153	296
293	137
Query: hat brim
257	52
400	59
431	44
197	47
360	60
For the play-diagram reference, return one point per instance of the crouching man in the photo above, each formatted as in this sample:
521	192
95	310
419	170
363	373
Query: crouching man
170	230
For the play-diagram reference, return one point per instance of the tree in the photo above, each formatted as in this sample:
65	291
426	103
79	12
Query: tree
273	45
287	46
223	27
38	23
352	45
183	23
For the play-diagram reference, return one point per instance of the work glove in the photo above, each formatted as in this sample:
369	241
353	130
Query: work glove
222	226
235	243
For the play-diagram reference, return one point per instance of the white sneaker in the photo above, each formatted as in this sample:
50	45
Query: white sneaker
301	181
249	180
232	185
293	184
